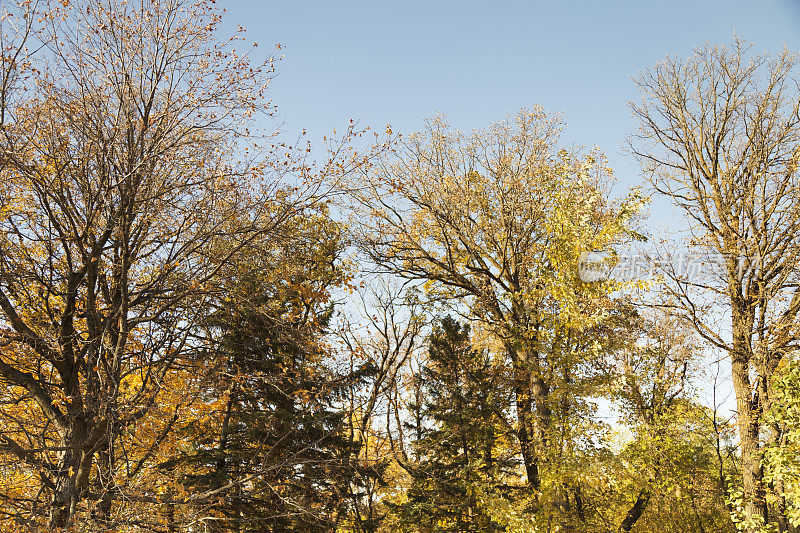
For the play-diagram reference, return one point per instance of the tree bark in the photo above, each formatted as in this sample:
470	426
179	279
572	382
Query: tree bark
74	465
748	404
524	417
636	511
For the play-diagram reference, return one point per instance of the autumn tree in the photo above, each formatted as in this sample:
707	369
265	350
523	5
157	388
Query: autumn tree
495	223
123	163
781	465
384	331
719	134
672	472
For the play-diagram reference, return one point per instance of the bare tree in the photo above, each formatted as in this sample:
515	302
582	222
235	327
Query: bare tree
720	136
388	332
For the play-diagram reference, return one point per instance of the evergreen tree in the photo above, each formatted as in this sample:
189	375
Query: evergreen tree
278	435
459	440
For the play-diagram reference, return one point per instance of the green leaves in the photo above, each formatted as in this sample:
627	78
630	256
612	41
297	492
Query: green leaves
781	457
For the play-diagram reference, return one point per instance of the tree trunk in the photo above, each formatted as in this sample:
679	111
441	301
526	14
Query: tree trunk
748	418
524	416
748	422
74	464
636	511
105	476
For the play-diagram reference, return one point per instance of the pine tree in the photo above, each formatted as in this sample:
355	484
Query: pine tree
460	441
278	441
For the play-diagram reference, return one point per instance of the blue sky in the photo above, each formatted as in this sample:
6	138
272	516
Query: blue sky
476	62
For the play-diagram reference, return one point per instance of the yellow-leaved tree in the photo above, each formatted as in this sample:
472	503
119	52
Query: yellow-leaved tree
495	224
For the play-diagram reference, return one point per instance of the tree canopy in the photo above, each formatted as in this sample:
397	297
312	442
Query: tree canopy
205	328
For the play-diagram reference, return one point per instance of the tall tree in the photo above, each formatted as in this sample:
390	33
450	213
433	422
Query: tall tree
719	136
495	223
278	428
123	163
460	435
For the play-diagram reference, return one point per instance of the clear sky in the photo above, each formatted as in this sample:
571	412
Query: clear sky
476	62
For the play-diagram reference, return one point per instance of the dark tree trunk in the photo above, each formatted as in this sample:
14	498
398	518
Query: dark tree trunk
748	403
524	417
636	511
74	464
